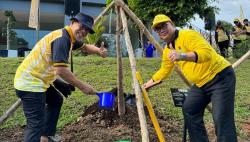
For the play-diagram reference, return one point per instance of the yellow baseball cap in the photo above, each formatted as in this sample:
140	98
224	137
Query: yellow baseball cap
236	20
160	18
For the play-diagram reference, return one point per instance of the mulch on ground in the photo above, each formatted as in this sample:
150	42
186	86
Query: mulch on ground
105	125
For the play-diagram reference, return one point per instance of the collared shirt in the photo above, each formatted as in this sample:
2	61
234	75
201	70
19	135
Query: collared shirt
240	37
207	65
221	35
37	72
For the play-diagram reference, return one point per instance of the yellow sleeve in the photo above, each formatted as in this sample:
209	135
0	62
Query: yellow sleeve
166	67
200	46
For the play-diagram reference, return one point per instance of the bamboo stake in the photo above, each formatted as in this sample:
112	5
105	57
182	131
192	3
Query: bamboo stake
10	111
150	109
104	12
243	58
152	40
140	24
121	102
18	103
139	102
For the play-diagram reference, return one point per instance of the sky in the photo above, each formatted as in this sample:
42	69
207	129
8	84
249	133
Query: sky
229	9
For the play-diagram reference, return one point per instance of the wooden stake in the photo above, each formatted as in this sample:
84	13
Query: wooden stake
10	111
104	12
121	101
139	102
152	40
139	23
243	58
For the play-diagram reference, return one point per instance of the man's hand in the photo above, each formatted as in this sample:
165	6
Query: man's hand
151	83
103	52
88	89
174	56
148	84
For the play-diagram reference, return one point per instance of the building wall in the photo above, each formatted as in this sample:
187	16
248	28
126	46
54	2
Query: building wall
52	17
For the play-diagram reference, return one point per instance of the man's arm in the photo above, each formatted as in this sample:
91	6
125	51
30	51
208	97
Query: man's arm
69	77
92	49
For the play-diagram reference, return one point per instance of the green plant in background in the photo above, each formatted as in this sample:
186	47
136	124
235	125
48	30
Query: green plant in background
241	49
99	29
181	11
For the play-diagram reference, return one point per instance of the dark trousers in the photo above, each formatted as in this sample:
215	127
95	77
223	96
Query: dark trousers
41	112
223	46
220	91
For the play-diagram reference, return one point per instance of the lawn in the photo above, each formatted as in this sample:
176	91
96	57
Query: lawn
102	74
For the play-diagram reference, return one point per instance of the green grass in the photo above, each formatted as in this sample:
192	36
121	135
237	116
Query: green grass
102	74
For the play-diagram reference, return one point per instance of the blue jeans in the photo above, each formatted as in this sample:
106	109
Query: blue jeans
41	110
220	91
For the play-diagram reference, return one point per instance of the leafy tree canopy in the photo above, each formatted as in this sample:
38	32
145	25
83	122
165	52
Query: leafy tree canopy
180	11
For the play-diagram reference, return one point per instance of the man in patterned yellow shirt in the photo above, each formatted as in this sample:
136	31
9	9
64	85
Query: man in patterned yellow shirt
212	76
47	61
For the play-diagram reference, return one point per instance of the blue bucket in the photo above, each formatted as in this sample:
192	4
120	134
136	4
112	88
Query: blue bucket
106	99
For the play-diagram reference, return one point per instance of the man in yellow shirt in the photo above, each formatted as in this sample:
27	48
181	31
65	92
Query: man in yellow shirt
212	76
238	32
222	39
48	60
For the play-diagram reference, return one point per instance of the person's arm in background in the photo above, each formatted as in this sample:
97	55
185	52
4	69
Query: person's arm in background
234	31
244	30
92	49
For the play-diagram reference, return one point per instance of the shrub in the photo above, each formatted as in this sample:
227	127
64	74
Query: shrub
241	49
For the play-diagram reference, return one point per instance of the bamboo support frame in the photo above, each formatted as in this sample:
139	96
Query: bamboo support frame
139	23
243	58
104	11
121	101
139	101
10	111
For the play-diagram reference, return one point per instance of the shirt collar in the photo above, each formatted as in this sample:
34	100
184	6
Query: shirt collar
68	29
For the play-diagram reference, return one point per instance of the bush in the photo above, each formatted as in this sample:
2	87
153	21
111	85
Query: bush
241	49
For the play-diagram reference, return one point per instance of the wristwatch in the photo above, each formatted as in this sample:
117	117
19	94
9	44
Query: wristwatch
182	57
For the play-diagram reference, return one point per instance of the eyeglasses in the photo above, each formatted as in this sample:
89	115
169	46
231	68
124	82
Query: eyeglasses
161	26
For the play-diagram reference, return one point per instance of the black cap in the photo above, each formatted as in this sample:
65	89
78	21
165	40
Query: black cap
85	20
219	22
